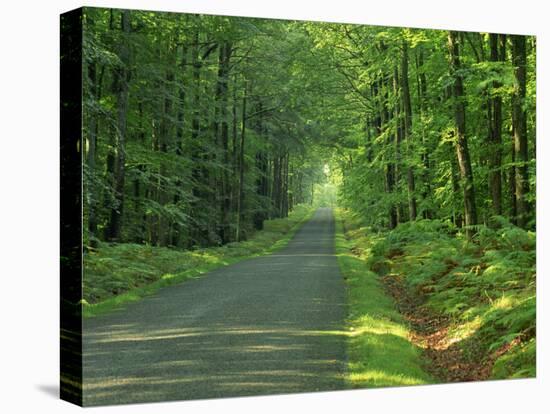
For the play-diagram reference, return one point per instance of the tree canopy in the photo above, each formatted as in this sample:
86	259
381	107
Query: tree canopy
198	128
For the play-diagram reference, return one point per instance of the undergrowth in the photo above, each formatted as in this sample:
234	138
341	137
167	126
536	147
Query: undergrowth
115	274
484	288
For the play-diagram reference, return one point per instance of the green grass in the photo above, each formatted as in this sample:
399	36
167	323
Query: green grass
379	351
486	287
117	274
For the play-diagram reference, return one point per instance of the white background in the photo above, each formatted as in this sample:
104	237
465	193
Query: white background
29	206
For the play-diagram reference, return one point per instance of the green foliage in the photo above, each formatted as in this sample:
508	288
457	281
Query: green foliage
487	287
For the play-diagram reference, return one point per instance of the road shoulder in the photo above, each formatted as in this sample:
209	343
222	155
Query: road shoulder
380	353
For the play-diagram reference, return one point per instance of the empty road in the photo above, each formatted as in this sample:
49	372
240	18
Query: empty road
265	325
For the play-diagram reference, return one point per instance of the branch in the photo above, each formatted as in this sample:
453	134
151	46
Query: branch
209	51
261	112
245	56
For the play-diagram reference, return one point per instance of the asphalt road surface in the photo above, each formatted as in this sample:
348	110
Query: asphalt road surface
267	325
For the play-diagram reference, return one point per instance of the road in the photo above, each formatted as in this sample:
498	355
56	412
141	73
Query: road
266	325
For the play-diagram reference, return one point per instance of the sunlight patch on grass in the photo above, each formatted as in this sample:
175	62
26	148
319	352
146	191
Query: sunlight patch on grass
383	379
505	302
379	351
369	325
464	330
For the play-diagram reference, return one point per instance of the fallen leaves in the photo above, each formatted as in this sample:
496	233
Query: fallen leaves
447	358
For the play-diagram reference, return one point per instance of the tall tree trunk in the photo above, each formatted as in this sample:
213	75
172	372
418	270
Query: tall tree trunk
463	154
426	150
261	189
240	198
197	234
407	132
222	100
291	189
235	145
458	218
276	193
166	147
177	229
381	120
396	112
284	198
142	168
180	125
512	185
495	135
121	76
399	129
368	139
261	181
95	81
300	188
532	128
519	121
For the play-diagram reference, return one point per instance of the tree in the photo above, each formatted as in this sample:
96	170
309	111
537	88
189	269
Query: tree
498	53
120	87
519	123
462	152
407	130
199	128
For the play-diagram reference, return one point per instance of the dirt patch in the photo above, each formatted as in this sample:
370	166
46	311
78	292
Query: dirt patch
445	360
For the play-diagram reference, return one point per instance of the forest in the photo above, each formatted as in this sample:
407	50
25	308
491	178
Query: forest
201	130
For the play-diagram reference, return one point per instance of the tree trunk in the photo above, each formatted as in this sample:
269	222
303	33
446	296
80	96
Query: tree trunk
234	153
463	154
240	198
422	100
177	229
197	234
512	185
380	122
284	198
180	126
95	82
261	181
121	79
396	112
519	121
407	132
222	100
277	185
495	134
166	147
142	168
261	188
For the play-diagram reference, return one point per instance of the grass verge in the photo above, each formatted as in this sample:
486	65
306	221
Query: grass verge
470	303
118	274
380	353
